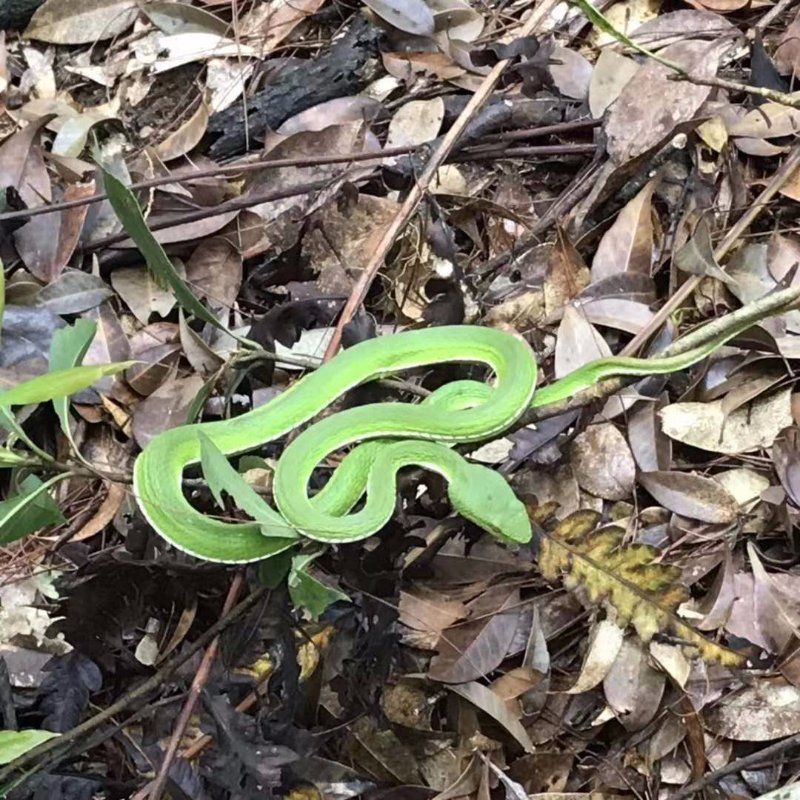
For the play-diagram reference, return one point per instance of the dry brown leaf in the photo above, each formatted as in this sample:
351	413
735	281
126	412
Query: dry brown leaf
768	709
472	649
611	72
266	25
572	76
605	641
787	49
81	21
691	495
602	462
142	293
493	705
214	273
426	614
186	137
46	243
164	409
115	494
748	428
416	122
22	165
627	246
652	105
632	687
577	343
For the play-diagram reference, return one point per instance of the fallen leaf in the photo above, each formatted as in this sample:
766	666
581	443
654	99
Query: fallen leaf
143	295
611	72
46	242
472	649
691	495
652	105
748	428
633	689
268	24
115	494
164	409
186	137
416	122
411	16
605	642
81	21
214	273
573	75
487	701
72	292
627	246
787	49
577	343
602	462
768	709
182	18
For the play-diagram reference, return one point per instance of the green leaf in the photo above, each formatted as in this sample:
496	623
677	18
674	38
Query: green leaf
12	458
29	510
61	383
130	215
222	477
67	350
11	424
308	592
13	744
273	570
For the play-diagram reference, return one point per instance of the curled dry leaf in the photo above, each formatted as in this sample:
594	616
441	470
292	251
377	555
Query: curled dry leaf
627	246
603	463
266	25
748	428
186	137
691	495
605	642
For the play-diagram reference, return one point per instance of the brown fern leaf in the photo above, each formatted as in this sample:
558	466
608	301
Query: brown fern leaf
644	593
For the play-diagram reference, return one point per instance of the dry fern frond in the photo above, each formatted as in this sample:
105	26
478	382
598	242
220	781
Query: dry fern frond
644	593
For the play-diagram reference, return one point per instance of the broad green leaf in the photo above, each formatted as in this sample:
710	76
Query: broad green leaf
308	592
13	744
273	570
61	383
67	350
222	477
29	510
130	215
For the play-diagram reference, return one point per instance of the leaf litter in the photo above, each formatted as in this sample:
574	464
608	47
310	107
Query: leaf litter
649	636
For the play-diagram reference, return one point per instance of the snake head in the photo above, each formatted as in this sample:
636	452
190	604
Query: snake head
483	497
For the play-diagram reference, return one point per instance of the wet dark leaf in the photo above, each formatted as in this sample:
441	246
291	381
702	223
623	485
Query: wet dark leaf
65	691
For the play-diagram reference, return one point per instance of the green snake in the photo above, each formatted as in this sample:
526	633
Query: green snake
389	436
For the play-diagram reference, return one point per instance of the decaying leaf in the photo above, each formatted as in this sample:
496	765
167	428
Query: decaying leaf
705	425
691	495
643	592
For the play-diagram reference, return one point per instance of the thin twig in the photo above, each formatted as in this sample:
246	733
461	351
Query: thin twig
781	176
766	754
419	189
132	697
247	165
198	684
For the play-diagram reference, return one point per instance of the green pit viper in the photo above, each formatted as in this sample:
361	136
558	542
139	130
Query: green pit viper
389	436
